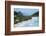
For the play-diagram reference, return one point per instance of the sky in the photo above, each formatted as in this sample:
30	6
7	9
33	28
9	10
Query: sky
26	11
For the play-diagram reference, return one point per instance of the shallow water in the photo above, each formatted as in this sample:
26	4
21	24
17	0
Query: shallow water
34	22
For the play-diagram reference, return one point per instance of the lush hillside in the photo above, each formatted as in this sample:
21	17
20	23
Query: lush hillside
18	13
35	14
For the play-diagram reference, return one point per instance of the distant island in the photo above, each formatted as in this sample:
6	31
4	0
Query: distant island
18	16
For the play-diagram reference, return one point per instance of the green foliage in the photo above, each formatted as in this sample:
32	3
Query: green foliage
20	18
